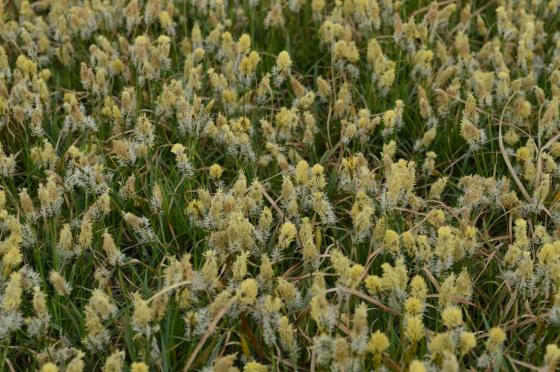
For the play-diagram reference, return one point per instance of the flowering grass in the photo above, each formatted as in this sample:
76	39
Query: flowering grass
265	185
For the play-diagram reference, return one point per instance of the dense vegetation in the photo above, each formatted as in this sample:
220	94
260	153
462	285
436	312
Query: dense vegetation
253	185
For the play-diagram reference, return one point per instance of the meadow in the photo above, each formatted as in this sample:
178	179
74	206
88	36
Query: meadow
279	185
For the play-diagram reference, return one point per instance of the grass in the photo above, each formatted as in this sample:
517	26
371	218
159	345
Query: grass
204	316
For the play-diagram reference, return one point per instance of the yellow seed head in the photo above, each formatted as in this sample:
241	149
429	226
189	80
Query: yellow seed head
378	342
496	338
